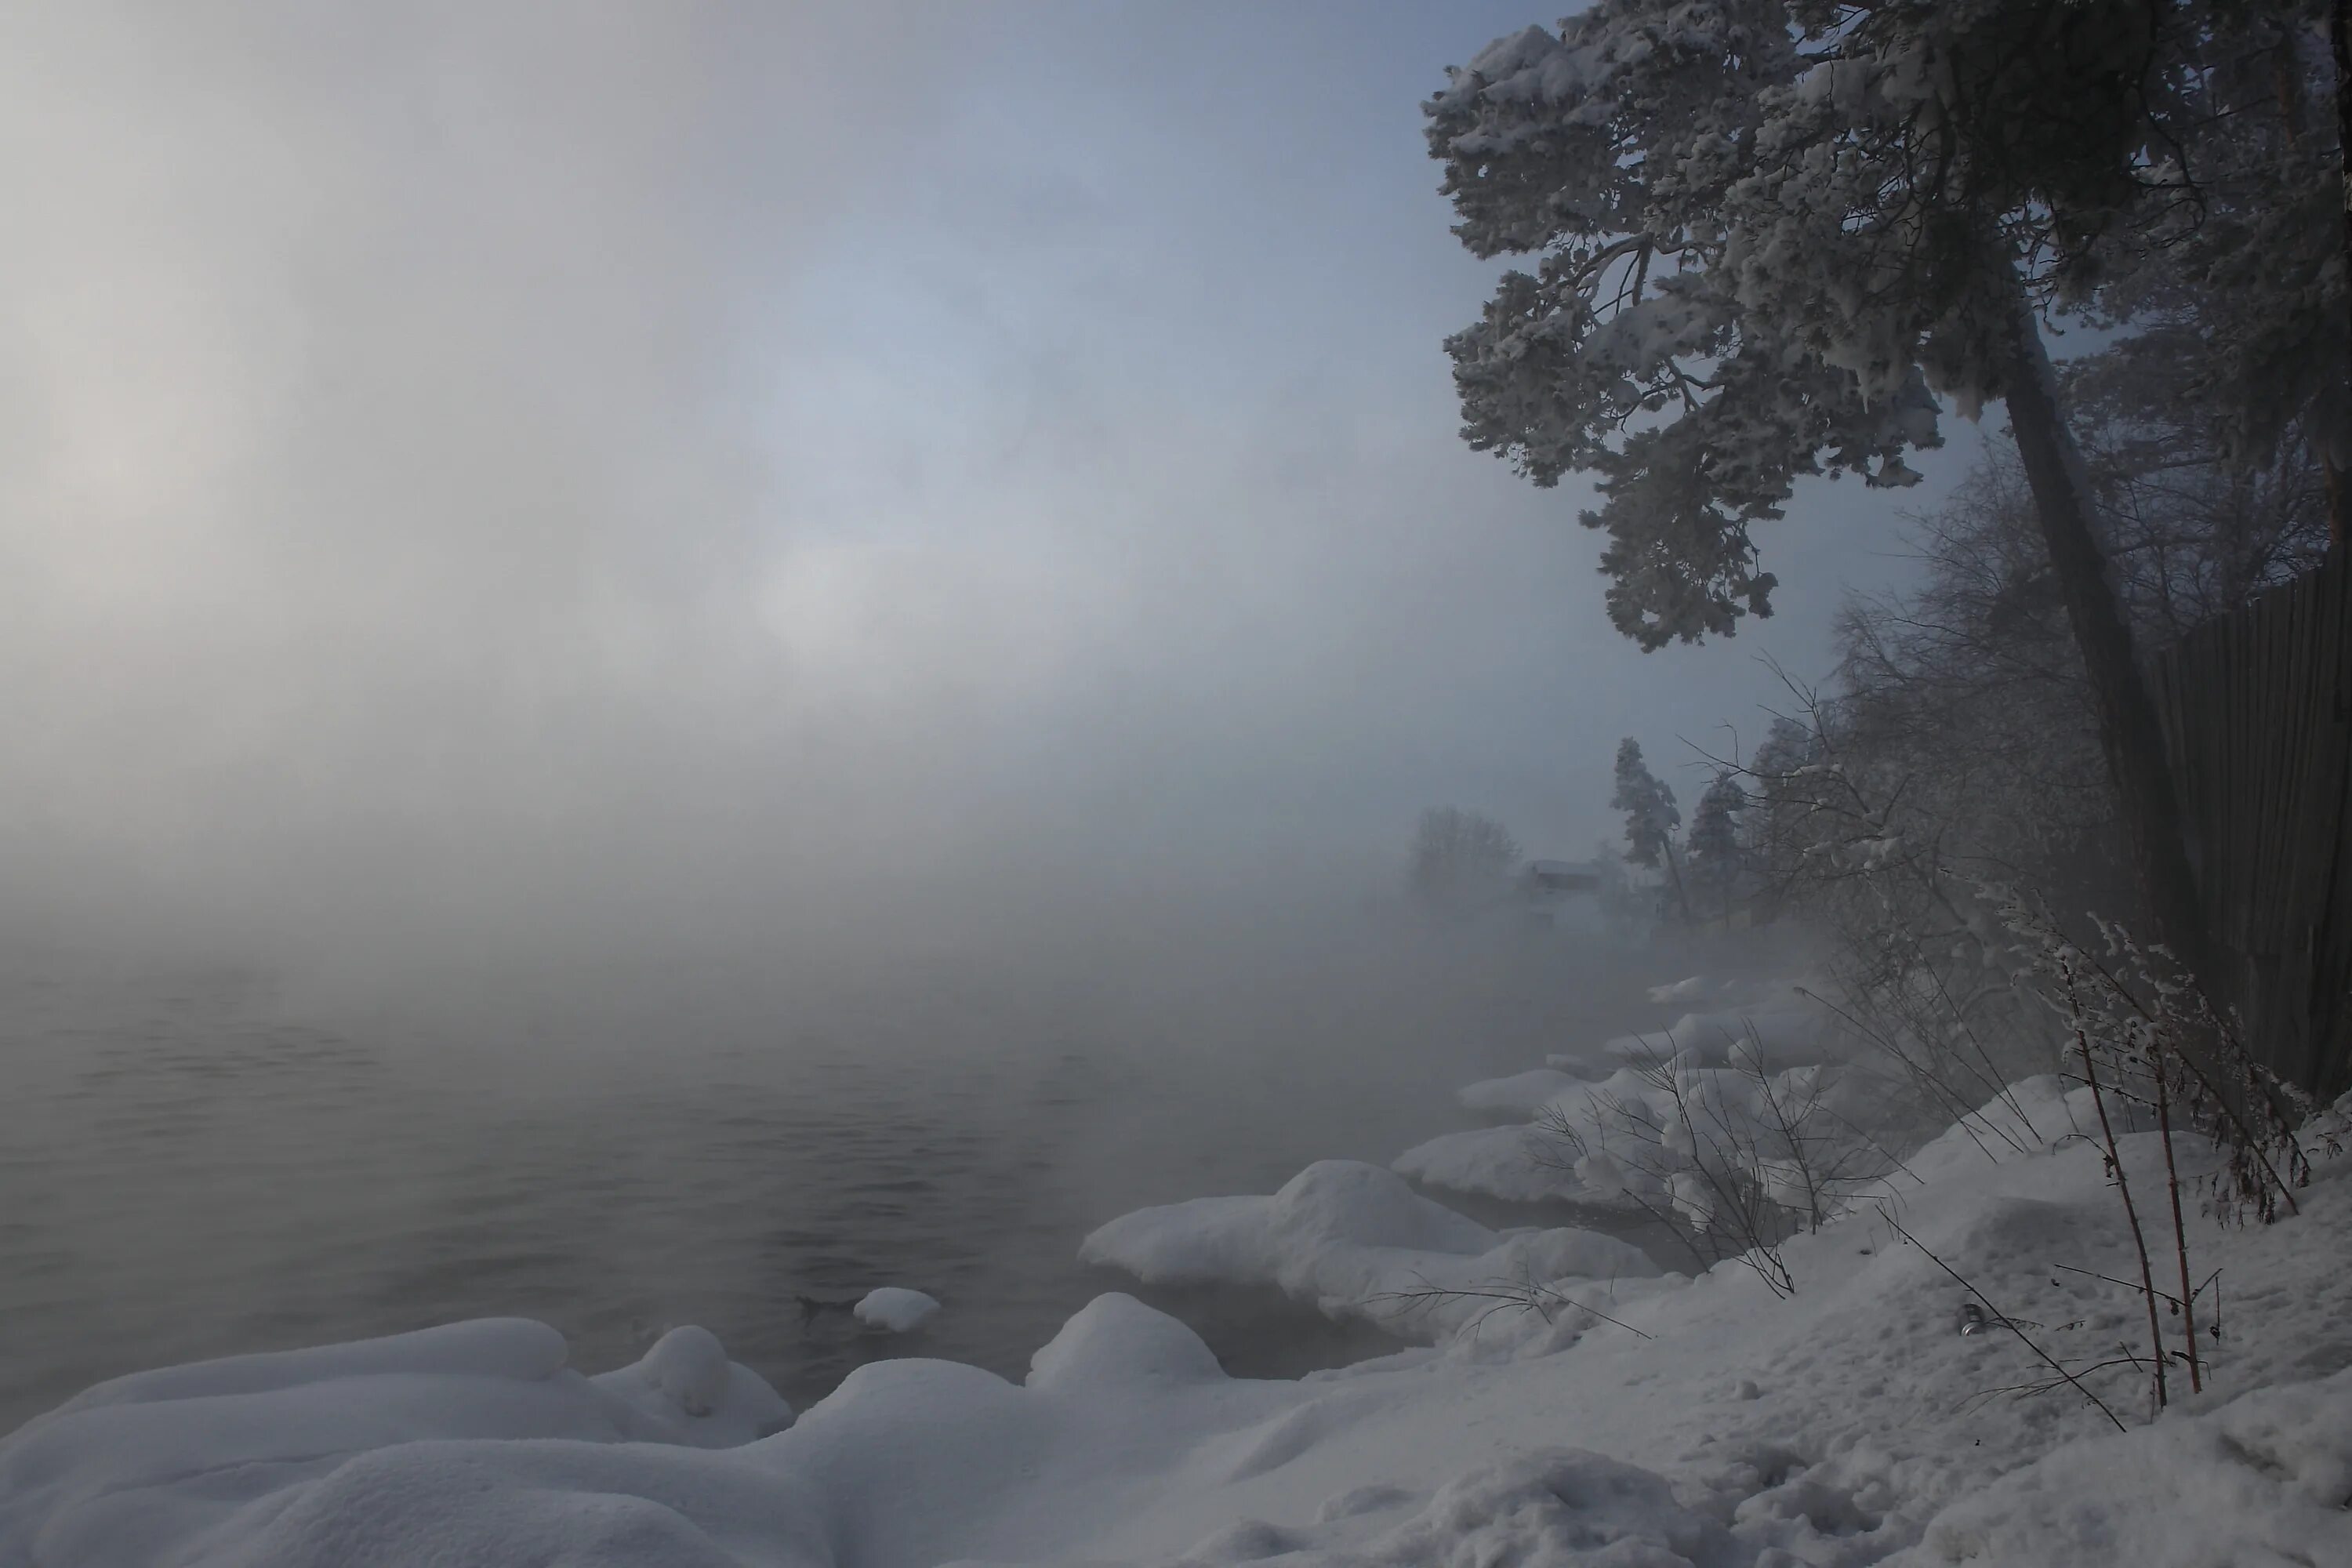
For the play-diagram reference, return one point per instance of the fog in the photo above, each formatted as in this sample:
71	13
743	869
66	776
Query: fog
523	485
634	633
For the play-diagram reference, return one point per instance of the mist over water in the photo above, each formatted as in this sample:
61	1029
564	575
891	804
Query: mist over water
794	647
210	1162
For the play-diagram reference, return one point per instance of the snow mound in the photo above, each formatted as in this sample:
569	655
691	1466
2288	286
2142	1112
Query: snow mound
1786	1033
1567	1507
1349	1238
894	1309
1558	1508
1522	1094
1115	1341
685	1390
1620	1141
2266	1478
514	1348
2031	1114
1517	1164
1576	1113
248	1447
476	1505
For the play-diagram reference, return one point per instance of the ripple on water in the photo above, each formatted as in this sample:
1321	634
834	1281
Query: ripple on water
195	1186
195	1175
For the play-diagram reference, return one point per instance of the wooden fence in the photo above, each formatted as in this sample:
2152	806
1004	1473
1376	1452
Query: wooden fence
2257	714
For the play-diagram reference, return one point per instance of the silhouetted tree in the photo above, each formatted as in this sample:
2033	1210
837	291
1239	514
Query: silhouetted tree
1462	860
1717	858
1651	817
1771	232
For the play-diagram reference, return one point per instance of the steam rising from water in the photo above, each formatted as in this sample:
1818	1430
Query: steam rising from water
509	481
613	550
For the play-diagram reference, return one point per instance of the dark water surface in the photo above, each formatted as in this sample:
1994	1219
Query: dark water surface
201	1166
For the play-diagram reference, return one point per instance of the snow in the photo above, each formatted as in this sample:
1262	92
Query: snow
2267	1477
1353	1240
1787	1031
474	1438
1517	1164
686	1390
1565	1506
1704	1420
493	1347
894	1309
1116	1340
1570	1144
1522	1094
1689	989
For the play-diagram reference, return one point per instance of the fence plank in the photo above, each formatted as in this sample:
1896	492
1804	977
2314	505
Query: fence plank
2256	708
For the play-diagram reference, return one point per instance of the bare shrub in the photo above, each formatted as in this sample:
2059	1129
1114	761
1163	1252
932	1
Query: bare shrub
1733	1161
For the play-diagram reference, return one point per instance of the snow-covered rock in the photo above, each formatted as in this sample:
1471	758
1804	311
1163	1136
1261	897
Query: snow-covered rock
510	1348
1522	1095
1519	1164
348	1454
1354	1240
1115	1341
1789	1032
894	1309
686	1390
1618	1140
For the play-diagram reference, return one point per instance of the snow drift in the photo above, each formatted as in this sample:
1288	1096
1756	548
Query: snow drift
1354	1240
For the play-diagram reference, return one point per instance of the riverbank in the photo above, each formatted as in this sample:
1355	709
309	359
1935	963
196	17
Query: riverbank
1706	1419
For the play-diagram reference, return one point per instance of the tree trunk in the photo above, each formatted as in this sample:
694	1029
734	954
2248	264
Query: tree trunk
2147	805
2339	43
2339	39
1682	898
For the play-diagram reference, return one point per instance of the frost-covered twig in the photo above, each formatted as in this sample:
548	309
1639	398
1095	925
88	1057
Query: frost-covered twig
1736	1159
2122	1180
1527	1295
2187	1305
2147	1015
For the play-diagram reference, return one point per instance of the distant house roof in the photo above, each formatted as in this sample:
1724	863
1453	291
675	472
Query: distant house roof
1563	875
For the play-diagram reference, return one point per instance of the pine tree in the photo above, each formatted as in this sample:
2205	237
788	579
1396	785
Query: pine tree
1718	860
1772	234
1651	817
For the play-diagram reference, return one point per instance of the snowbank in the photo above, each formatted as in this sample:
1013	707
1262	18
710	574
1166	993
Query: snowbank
1522	1095
894	1309
1689	989
1571	1114
1789	1031
1523	1164
2265	1479
1353	1240
686	1390
1567	1507
1616	1142
300	1457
